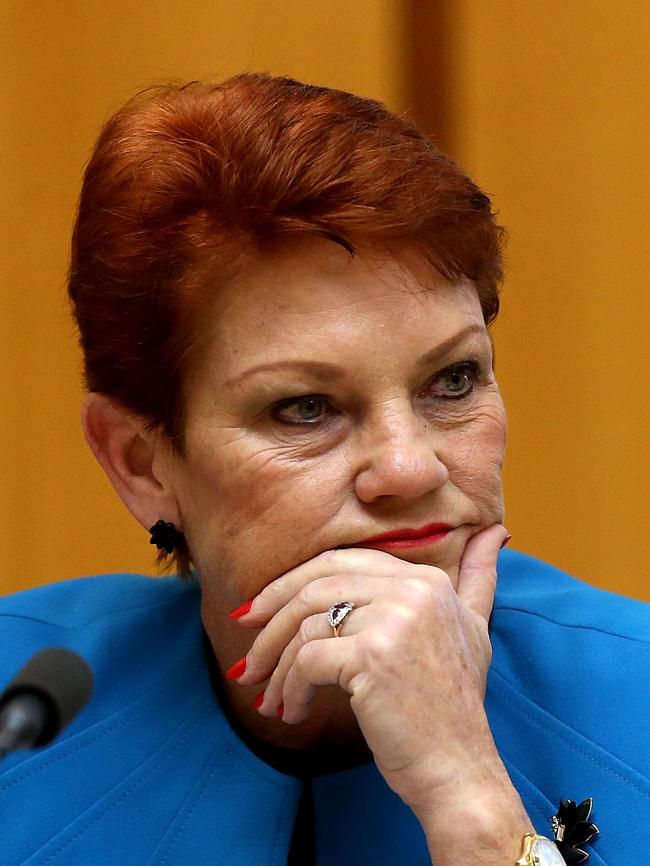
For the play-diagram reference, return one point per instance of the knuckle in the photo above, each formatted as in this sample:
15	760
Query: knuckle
304	656
258	648
439	579
419	591
332	557
347	558
405	614
273	591
490	576
306	596
377	643
306	631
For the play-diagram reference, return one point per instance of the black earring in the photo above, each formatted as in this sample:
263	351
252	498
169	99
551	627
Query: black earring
165	536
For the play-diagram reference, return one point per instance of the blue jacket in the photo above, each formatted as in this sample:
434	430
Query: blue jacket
151	773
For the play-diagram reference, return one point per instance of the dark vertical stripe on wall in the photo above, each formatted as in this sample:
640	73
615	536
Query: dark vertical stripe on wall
429	56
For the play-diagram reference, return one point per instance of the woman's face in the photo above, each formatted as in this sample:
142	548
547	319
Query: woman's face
337	399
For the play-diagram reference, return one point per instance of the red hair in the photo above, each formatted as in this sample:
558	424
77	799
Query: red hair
186	182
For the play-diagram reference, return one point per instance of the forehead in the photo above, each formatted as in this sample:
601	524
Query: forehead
313	300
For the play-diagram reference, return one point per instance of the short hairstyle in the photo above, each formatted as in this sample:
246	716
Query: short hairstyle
187	181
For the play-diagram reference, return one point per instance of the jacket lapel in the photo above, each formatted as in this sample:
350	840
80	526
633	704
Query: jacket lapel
549	760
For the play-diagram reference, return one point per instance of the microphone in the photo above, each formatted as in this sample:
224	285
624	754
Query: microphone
42	699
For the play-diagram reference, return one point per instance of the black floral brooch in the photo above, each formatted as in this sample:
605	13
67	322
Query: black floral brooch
572	828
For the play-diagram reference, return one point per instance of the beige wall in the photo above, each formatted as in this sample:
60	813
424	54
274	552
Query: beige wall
551	112
548	109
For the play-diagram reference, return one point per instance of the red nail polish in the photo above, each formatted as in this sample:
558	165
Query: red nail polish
237	669
505	541
240	611
259	700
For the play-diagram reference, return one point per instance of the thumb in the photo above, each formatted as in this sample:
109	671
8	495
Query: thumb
477	573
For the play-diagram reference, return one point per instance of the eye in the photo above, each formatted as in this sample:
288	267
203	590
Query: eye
456	381
301	410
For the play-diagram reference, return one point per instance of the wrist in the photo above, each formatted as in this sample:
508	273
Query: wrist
475	825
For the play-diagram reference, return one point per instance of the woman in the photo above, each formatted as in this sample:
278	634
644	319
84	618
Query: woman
283	294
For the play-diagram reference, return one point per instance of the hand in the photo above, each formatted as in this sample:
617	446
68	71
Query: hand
413	655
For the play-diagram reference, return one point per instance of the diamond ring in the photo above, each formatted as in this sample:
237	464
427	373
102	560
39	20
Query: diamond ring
336	615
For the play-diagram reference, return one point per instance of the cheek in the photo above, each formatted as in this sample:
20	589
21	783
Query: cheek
272	490
475	455
257	513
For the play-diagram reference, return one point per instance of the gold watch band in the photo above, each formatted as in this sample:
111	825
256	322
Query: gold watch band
539	851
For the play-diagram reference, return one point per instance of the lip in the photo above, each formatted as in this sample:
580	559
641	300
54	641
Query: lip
407	537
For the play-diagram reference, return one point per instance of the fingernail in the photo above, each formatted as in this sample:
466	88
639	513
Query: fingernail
237	669
505	541
240	611
259	700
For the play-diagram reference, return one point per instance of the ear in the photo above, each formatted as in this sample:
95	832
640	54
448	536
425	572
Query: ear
136	460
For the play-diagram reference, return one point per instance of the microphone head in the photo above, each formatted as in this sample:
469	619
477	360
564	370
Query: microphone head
62	679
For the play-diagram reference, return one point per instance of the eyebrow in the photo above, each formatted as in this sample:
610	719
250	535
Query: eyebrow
325	372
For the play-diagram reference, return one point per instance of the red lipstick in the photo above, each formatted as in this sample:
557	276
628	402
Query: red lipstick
401	538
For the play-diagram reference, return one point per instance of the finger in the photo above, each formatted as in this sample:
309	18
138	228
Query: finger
327	564
314	598
318	663
477	575
314	628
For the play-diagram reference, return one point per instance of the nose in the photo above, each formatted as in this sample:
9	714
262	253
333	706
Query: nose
399	458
